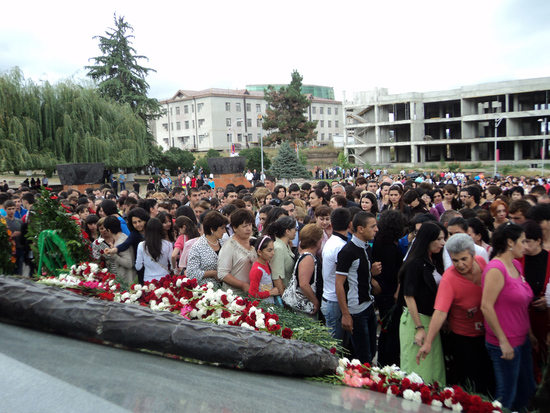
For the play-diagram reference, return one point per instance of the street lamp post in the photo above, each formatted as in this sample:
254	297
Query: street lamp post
260	117
544	126
233	132
497	122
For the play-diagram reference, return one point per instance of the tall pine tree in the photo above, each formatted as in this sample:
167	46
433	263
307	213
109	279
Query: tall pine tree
286	164
285	117
118	73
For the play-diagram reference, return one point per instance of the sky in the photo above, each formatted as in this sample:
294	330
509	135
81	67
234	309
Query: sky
353	46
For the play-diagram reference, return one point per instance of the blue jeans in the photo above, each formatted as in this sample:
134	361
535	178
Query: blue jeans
515	383
333	318
363	338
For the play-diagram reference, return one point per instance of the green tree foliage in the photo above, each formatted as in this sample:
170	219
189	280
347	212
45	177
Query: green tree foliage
343	161
175	157
286	164
118	73
45	125
254	159
285	117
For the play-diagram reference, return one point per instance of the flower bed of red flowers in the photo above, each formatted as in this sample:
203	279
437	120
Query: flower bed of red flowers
394	382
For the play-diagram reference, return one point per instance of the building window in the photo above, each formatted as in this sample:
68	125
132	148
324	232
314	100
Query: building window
172	125
248	107
199	106
193	123
258	123
330	124
330	136
177	110
228	122
314	110
186	124
165	126
335	123
239	137
321	110
170	111
238	107
229	137
322	136
259	135
239	124
328	111
192	108
186	109
336	111
258	108
249	122
178	125
201	122
228	106
322	123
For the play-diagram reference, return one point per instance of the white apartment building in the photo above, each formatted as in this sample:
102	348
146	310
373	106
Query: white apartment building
217	118
459	125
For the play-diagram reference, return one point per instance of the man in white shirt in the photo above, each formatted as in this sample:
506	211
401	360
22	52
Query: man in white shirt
340	220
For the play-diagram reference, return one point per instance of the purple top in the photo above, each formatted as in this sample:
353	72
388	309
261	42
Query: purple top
511	306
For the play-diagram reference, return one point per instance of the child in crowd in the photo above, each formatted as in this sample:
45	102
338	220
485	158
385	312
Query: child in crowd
261	285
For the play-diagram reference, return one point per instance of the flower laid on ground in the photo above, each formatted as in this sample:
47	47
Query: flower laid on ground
176	294
395	382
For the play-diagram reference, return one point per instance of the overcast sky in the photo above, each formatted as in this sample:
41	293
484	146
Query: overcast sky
403	45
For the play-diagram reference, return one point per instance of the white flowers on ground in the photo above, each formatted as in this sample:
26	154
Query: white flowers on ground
415	378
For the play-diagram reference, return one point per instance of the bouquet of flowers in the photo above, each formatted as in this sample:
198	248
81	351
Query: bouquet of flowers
395	382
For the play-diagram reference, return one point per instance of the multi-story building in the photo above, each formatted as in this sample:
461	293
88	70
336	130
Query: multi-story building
461	124
218	118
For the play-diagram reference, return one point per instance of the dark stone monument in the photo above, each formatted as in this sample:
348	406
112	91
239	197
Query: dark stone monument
80	173
228	170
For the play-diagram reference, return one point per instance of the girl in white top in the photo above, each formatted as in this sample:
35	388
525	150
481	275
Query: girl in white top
154	253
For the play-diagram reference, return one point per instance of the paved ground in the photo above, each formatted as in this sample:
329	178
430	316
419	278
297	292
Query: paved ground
43	372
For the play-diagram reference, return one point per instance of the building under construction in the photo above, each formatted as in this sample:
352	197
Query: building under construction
450	125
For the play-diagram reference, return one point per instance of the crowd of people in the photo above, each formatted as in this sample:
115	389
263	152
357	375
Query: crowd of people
455	271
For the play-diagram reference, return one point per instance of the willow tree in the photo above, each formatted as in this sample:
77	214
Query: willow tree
42	125
118	73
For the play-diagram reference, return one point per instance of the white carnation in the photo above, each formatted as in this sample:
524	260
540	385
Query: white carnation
415	378
457	407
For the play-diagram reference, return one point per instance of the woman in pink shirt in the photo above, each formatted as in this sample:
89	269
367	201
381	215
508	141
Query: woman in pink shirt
505	306
458	300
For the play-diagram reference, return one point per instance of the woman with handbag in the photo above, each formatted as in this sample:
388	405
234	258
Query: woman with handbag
306	284
154	253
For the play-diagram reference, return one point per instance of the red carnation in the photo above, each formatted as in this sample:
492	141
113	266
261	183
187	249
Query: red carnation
405	383
394	389
333	350
224	299
226	314
287	333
